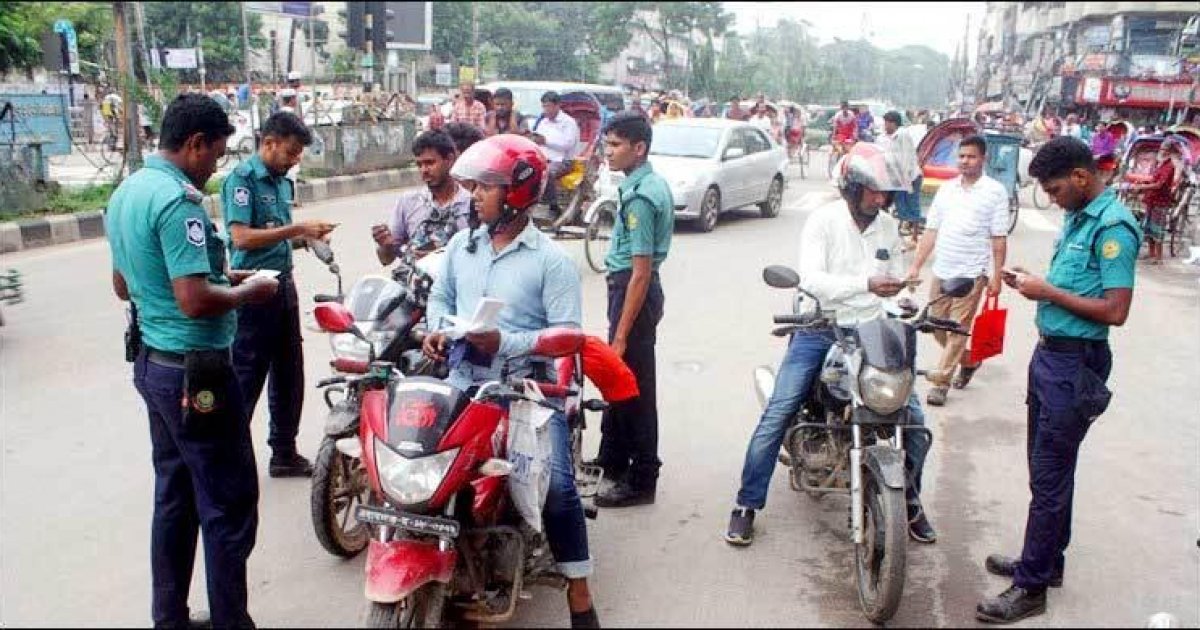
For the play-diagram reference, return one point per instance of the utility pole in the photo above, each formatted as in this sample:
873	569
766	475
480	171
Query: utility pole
200	54
369	72
246	66
475	35
141	29
133	152
312	55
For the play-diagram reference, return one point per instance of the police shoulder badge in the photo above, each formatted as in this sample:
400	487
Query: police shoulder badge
195	231
192	193
241	196
632	220
204	401
1110	249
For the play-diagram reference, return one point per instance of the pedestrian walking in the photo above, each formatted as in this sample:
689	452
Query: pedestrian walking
257	200
641	240
1088	289
967	233
170	262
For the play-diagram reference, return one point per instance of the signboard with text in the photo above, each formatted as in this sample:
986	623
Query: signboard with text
40	118
181	58
1135	93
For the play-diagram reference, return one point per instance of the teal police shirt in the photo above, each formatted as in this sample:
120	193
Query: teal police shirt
645	221
158	232
1097	250
251	195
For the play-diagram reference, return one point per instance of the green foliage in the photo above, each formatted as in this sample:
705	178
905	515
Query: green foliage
22	25
177	24
213	185
87	199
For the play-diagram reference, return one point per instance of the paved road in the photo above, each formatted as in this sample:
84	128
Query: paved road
75	492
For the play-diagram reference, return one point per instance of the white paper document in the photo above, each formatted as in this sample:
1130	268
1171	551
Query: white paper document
487	314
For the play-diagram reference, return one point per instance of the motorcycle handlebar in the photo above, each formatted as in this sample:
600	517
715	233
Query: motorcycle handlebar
791	319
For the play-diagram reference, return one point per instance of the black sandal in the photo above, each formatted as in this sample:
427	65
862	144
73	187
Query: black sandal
964	376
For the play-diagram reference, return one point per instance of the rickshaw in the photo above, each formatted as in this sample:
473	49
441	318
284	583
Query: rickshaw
1138	166
938	156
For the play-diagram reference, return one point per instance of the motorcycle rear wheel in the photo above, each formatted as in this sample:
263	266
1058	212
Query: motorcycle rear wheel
333	500
879	562
424	608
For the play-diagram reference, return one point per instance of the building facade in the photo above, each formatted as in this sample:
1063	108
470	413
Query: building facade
1134	60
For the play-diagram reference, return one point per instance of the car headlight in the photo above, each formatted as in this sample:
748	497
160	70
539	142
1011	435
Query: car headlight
884	392
411	481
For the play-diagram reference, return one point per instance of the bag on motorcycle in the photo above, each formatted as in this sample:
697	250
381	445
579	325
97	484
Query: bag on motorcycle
987	334
529	451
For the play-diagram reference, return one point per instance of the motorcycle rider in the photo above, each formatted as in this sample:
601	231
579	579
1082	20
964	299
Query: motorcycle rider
508	258
435	153
850	259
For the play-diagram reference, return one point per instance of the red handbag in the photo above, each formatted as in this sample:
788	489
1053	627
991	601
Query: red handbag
987	334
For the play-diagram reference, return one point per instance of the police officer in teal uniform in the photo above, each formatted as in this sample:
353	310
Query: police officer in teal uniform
257	198
1088	289
169	260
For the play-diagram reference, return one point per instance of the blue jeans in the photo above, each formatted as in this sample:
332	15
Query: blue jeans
566	529
797	373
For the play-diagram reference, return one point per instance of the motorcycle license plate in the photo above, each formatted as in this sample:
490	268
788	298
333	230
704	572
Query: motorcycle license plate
417	523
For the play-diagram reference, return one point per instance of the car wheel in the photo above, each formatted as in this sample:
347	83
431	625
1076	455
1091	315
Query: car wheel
770	207
710	210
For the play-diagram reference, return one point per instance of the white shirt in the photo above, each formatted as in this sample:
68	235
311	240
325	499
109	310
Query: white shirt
966	220
762	122
837	261
561	134
902	145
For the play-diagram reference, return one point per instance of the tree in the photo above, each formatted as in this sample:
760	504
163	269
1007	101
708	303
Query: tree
22	25
177	24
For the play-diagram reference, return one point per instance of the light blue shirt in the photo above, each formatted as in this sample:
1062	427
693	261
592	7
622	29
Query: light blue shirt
537	281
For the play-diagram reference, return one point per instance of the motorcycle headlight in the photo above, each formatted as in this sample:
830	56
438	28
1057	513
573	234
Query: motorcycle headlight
347	346
411	481
884	392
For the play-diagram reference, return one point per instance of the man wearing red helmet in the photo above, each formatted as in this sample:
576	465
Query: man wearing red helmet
503	256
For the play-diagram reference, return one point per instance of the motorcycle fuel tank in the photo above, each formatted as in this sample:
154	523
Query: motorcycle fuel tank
420	411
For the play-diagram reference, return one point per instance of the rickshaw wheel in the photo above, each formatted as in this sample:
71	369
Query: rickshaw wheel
1014	207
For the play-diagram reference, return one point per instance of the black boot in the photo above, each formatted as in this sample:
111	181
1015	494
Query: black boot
290	464
1005	566
1012	605
586	619
625	495
918	526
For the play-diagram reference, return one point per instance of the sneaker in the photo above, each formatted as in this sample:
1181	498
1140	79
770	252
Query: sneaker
1005	566
918	526
937	396
964	376
741	527
1014	604
290	465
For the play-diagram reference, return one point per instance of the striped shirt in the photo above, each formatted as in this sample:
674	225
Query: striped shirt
966	220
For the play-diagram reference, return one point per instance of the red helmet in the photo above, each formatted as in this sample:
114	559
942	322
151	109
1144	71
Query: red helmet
505	160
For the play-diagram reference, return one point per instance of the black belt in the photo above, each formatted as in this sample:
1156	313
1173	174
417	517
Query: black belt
1070	344
618	277
167	359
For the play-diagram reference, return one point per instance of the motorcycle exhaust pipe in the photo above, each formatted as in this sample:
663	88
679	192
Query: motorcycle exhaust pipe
764	384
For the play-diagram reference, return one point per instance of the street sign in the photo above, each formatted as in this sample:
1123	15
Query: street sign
443	74
411	24
181	58
297	9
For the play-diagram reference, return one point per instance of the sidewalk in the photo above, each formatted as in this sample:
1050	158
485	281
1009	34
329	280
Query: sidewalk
43	231
85	167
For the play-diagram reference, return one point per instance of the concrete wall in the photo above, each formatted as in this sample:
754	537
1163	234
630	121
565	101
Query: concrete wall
350	149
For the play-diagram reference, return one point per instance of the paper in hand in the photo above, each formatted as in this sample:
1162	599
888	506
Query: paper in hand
487	314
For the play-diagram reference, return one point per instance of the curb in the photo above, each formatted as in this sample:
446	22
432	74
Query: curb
49	230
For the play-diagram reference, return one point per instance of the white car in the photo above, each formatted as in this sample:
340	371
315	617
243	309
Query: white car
714	165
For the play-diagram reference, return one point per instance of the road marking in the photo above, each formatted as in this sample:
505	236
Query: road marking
1040	220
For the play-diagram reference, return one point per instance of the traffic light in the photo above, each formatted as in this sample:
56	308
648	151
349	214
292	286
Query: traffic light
354	16
381	16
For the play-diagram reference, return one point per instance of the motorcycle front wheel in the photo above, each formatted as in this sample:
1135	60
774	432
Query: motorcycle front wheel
422	609
338	487
879	561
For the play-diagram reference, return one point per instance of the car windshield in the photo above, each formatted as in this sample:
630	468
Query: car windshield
685	141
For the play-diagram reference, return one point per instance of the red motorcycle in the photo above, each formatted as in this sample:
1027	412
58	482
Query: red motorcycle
445	540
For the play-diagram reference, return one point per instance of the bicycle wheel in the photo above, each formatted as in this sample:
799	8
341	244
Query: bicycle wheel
1179	224
108	150
830	162
1041	200
599	235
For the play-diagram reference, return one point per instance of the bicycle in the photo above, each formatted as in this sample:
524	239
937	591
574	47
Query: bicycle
1179	218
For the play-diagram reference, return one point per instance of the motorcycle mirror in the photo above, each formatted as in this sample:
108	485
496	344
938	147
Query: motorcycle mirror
321	250
335	318
958	287
781	277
